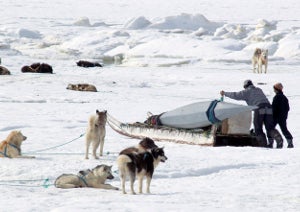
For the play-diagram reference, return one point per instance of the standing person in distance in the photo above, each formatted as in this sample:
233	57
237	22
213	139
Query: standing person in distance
281	109
254	96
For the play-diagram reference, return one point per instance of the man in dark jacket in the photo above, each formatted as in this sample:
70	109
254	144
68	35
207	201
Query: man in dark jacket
281	109
254	96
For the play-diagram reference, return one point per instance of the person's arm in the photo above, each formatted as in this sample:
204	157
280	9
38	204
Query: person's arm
241	95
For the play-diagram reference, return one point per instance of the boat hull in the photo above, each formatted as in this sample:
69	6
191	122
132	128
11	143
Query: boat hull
202	114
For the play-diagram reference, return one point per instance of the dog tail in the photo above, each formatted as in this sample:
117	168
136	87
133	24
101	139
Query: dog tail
122	162
123	159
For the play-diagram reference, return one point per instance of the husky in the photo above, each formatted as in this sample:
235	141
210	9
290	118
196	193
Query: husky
94	178
38	68
260	58
82	87
140	165
88	64
145	145
95	133
11	146
4	71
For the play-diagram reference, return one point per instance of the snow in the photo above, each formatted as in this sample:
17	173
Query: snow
157	55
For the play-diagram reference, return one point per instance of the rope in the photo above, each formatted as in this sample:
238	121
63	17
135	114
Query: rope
42	150
70	153
46	183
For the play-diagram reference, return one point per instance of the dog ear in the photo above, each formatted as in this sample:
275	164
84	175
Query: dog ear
97	111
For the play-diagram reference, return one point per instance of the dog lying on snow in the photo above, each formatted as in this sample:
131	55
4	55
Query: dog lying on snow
95	133
94	178
88	64
4	71
11	146
38	68
82	87
134	164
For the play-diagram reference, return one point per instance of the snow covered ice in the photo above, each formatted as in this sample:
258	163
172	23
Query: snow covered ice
157	56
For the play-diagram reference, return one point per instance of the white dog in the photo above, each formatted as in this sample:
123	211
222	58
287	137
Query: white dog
260	58
94	178
95	133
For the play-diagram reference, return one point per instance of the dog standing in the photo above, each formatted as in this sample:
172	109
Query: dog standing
95	133
11	146
140	165
94	178
260	58
146	144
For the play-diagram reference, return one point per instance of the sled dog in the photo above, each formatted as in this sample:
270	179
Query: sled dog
4	71
38	68
139	165
146	144
95	133
82	87
94	178
88	64
11	146
260	58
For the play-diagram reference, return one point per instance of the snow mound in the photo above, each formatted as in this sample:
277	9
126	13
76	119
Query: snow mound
185	22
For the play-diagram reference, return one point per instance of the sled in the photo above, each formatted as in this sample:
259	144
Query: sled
214	135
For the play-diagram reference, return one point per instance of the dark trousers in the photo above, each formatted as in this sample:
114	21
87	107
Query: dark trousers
264	116
284	129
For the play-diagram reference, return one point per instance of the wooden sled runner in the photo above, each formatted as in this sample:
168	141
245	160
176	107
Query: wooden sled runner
214	135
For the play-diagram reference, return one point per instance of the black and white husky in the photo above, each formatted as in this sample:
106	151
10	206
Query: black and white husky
139	164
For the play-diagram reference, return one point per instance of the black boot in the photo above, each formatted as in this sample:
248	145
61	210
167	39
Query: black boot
290	143
278	138
270	144
279	145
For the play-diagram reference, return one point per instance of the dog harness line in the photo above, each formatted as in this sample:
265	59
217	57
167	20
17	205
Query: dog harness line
5	150
83	180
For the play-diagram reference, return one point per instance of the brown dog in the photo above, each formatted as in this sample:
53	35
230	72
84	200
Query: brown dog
82	87
145	145
11	146
87	64
4	71
37	68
